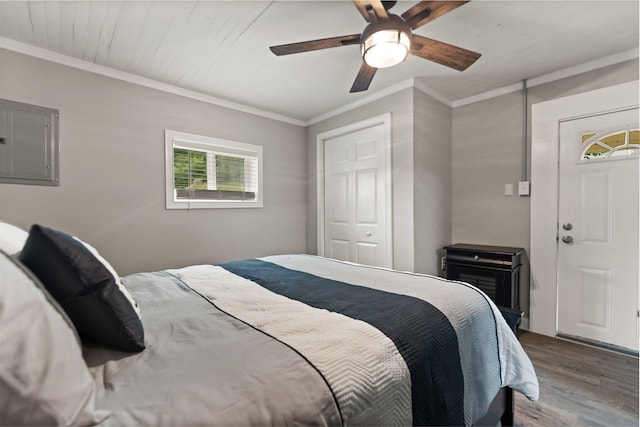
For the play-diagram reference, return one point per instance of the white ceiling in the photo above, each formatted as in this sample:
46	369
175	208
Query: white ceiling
220	48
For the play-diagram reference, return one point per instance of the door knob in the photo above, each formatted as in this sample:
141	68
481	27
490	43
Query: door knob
568	226
567	239
368	233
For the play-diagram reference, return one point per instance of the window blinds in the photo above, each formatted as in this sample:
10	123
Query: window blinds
209	175
204	172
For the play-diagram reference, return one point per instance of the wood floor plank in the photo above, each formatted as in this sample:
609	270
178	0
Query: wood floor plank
579	385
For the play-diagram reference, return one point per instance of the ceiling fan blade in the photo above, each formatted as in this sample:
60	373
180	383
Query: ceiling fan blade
378	8
443	53
287	49
364	77
427	11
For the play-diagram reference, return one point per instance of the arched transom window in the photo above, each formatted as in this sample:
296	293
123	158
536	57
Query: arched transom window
613	144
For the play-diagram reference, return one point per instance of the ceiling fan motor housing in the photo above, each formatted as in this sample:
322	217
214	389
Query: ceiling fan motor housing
388	39
386	42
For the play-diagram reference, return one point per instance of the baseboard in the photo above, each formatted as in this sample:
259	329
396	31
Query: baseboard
598	344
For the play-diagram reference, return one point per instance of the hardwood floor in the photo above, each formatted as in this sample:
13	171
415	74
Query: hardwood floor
579	385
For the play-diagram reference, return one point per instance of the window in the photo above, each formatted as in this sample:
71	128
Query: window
205	172
616	144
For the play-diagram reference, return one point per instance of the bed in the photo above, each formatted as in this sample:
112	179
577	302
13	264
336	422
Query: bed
280	340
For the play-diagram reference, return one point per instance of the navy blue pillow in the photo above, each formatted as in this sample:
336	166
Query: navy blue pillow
87	288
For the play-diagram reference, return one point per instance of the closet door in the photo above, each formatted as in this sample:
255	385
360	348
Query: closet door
355	197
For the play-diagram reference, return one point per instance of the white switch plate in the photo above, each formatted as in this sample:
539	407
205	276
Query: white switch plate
508	189
524	188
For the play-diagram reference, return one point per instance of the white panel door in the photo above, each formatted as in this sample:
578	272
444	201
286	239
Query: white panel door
598	229
355	197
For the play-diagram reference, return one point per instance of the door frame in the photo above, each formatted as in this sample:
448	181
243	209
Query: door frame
383	119
545	127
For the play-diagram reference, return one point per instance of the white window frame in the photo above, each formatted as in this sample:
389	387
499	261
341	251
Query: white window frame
174	139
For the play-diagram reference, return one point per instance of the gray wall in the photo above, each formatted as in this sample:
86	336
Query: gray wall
112	172
421	159
487	152
401	106
432	181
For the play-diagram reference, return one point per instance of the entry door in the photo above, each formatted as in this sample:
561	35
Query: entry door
598	228
355	197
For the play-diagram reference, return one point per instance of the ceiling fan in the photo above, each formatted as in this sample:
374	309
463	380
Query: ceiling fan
388	39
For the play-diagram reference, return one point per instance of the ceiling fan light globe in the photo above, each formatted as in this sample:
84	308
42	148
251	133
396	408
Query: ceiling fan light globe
386	48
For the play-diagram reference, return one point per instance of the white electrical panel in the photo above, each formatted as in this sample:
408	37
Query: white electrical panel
28	144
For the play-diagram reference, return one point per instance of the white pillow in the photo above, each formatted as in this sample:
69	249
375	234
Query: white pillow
43	378
12	238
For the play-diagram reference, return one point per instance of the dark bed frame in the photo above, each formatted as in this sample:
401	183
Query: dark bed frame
501	410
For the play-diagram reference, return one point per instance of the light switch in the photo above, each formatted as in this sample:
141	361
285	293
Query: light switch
508	189
524	188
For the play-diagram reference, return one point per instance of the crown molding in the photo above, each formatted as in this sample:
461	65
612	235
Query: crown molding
80	64
553	76
515	87
494	93
406	84
59	58
424	88
583	68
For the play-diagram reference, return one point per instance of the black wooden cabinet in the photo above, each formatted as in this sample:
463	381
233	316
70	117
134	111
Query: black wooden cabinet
493	269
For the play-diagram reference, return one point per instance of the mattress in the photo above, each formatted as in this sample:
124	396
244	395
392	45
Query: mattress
300	339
